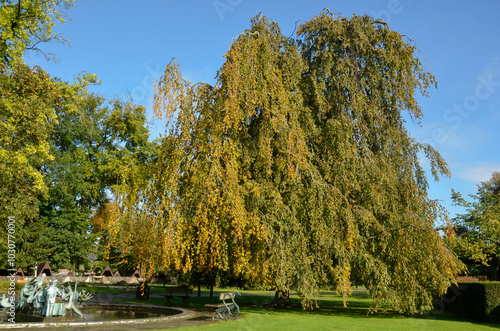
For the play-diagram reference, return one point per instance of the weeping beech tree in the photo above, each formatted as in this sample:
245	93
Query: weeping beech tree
295	170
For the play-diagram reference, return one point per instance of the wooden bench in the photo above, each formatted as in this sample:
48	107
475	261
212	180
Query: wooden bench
225	310
177	292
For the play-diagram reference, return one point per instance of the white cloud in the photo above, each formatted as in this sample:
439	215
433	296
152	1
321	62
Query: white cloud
477	173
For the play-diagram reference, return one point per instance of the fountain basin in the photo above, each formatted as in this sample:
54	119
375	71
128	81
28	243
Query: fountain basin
102	314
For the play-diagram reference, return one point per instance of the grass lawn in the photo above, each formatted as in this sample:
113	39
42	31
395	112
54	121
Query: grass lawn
331	315
102	289
340	320
255	314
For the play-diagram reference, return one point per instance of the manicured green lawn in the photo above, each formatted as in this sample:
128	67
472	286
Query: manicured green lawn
286	320
102	289
255	315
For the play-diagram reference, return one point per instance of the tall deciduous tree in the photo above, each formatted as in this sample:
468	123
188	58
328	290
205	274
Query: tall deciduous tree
127	163
93	145
26	118
62	152
29	96
360	78
296	171
25	24
477	236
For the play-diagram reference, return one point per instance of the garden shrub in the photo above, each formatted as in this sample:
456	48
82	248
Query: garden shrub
479	301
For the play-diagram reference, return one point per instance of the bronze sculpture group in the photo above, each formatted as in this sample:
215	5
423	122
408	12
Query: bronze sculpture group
51	300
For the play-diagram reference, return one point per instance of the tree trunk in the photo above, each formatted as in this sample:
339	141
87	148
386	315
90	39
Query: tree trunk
281	299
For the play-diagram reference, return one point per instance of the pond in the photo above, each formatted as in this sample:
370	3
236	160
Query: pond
108	313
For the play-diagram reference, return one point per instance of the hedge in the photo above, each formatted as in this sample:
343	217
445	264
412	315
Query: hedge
479	301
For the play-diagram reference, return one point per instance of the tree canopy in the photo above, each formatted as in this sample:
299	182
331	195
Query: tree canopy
295	170
24	25
63	150
477	232
29	96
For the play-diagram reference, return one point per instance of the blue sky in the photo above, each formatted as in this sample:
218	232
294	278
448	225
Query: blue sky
128	44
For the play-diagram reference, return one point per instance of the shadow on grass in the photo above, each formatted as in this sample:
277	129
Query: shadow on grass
329	305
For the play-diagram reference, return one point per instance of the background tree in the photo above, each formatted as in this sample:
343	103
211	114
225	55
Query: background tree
126	231
93	144
477	232
25	24
129	163
105	253
29	96
63	149
73	178
295	169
